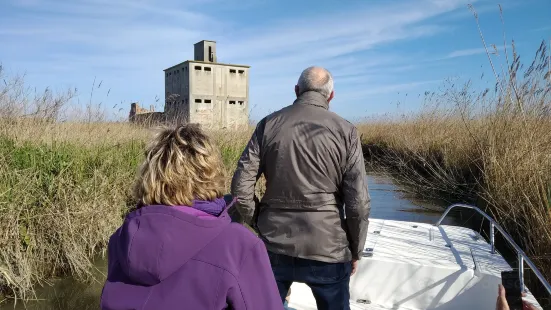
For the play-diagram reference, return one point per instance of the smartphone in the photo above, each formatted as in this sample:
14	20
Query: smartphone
513	292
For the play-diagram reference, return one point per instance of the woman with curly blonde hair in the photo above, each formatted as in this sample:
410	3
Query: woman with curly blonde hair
179	249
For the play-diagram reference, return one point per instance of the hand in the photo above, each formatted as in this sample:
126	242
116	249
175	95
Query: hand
502	304
354	266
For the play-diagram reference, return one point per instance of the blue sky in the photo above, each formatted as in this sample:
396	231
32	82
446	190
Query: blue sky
381	52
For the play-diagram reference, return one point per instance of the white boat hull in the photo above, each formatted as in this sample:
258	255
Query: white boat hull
420	266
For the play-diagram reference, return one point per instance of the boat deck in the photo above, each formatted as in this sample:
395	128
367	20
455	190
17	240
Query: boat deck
411	265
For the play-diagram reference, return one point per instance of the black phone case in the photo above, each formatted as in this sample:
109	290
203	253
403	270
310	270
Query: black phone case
513	292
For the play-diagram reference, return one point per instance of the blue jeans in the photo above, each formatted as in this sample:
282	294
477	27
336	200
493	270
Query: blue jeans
330	282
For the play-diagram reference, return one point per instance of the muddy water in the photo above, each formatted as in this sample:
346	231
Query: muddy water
387	199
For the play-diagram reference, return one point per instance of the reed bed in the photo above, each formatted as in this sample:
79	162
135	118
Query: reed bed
492	148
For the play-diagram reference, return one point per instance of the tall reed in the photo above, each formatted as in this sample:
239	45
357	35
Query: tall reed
491	147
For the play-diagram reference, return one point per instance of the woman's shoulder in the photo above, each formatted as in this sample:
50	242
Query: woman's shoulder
243	233
230	248
238	239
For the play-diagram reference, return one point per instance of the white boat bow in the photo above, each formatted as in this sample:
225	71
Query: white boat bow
409	265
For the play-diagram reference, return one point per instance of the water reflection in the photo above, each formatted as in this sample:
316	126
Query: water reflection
67	293
388	202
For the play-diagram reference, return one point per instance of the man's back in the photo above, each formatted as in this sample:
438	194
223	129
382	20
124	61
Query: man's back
304	151
312	161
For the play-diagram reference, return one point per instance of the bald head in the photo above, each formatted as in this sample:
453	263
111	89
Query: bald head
316	79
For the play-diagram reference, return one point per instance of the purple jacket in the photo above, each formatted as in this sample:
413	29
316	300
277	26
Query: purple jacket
181	258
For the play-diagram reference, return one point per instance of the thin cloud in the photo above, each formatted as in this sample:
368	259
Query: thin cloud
474	51
545	28
130	42
387	88
466	52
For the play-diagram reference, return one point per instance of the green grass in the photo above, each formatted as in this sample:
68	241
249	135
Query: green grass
58	205
64	194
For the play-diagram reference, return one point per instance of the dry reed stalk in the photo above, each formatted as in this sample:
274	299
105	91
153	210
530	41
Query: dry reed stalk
494	149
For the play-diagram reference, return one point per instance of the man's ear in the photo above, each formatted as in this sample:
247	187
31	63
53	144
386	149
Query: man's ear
296	90
331	96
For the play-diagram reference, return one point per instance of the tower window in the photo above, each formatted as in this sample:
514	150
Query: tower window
232	102
241	102
207	69
197	67
198	100
208	101
241	71
232	70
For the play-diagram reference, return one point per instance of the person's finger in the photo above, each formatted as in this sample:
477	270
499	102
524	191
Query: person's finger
501	303
501	291
527	305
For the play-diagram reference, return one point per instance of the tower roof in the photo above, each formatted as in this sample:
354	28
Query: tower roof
209	63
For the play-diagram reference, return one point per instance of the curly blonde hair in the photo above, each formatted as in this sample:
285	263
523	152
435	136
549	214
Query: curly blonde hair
181	164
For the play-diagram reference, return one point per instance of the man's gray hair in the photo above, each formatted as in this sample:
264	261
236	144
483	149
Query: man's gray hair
316	79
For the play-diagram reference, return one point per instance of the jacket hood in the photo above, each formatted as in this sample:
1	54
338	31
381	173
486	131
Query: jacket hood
155	241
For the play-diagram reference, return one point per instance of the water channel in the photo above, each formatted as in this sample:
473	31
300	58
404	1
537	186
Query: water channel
388	201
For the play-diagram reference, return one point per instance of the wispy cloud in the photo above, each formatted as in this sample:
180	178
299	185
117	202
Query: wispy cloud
475	51
129	42
544	28
466	52
387	88
341	33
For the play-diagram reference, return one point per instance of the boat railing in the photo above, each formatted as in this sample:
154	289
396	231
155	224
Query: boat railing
522	257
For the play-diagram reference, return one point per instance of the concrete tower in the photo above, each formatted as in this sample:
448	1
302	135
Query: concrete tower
205	91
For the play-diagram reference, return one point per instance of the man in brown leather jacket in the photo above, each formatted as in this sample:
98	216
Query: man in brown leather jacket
313	217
